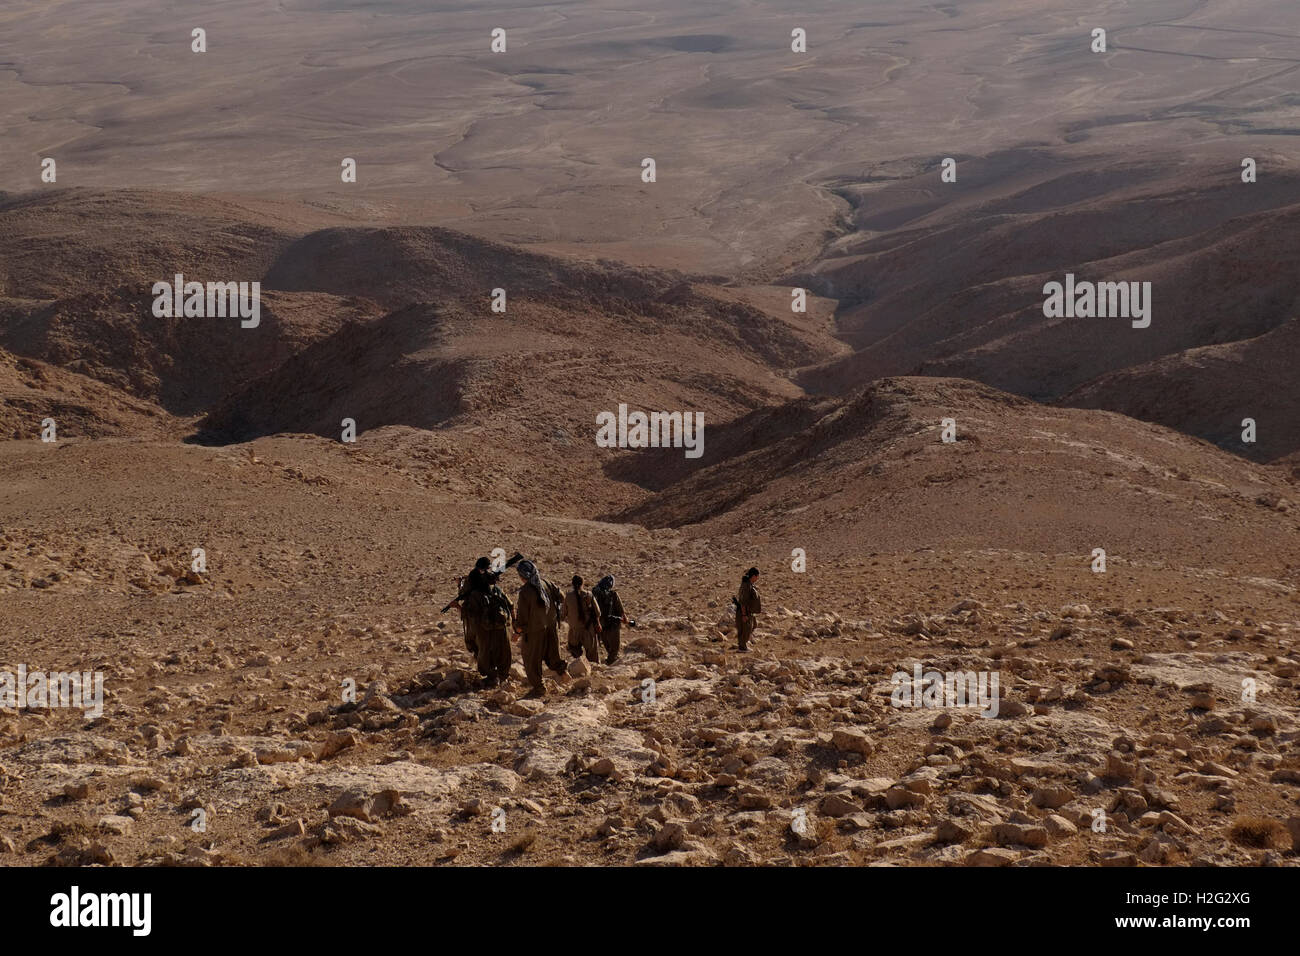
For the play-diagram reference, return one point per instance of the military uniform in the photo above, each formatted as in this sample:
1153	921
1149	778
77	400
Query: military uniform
493	655
539	641
472	599
747	605
611	620
583	618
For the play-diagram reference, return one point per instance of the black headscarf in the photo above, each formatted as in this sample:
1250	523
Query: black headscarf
528	571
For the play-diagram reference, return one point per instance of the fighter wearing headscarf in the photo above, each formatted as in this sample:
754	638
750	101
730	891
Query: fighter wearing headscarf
612	616
471	599
583	618
747	606
536	621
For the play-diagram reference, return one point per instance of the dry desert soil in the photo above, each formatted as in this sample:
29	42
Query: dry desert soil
1147	714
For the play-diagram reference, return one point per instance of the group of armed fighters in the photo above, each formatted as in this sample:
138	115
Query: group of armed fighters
595	619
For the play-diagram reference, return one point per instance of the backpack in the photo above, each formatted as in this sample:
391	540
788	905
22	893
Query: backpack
588	609
497	613
556	596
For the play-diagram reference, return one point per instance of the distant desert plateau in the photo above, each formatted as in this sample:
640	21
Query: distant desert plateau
923	461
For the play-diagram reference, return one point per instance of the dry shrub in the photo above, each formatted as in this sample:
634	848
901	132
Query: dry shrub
1261	833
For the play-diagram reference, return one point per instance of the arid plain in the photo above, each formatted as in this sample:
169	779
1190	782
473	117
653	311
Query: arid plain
327	561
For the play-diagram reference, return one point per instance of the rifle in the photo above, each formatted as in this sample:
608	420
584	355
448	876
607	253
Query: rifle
494	576
447	606
601	615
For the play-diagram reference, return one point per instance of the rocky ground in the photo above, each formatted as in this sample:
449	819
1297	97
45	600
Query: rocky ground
1121	693
181	509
